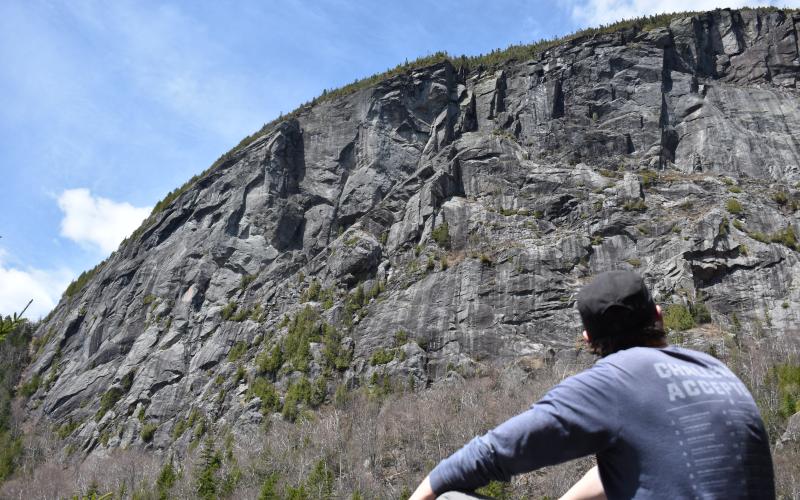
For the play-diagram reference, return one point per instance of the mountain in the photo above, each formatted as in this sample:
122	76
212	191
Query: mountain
423	224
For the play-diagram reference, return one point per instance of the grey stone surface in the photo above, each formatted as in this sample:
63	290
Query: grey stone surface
533	168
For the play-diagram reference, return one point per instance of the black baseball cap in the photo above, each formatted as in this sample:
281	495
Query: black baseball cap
615	303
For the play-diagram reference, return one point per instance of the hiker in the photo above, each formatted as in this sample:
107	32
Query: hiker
663	421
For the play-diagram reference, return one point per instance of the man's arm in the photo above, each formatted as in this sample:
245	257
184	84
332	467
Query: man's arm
589	487
577	418
424	491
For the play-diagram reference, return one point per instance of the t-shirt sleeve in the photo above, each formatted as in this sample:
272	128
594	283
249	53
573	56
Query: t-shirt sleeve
578	417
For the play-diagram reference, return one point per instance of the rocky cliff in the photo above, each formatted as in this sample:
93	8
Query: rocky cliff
442	218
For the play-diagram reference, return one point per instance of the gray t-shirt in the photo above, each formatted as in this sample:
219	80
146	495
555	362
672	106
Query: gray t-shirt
664	422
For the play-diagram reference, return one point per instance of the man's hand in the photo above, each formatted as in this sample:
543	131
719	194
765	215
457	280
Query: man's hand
423	491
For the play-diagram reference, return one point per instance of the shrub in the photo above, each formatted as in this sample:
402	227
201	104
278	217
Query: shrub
733	206
320	481
246	280
298	393
648	177
82	280
678	317
700	313
441	235
303	330
787	237
67	428
206	472
30	387
269	362
734	189
148	431
400	337
382	357
788	376
228	310
335	356
312	292
780	197
269	488
166	479
107	401
238	350
263	389
635	206
497	490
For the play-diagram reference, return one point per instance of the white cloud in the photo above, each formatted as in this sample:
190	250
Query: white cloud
18	286
96	221
596	12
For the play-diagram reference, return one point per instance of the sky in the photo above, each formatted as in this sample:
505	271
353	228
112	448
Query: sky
105	107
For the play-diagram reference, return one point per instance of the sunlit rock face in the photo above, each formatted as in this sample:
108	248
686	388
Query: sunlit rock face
468	205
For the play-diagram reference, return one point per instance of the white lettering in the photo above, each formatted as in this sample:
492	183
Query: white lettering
691	387
662	370
705	386
675	392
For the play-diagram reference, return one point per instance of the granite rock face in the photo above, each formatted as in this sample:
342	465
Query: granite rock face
443	218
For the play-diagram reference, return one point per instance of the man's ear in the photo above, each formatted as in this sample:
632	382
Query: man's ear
659	314
586	336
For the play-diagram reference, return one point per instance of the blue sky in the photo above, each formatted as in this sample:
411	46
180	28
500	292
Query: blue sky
107	106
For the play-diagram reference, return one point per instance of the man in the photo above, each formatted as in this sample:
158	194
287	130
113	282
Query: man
663	421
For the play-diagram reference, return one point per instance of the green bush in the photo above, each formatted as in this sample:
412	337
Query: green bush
269	362
382	356
67	429
148	431
788	376
229	309
269	488
312	293
780	197
263	389
400	337
30	387
441	235
700	313
166	479
335	356
733	206
82	280
303	330
320	481
238	350
648	177
206	479
298	393
678	317
497	490
107	401
787	237
246	280
635	206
